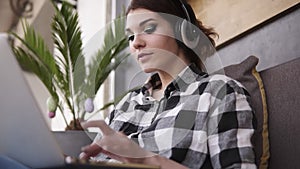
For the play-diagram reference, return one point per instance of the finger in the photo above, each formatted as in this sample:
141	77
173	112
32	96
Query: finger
83	156
106	130
114	156
90	151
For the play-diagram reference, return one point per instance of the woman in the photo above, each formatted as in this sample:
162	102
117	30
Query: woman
182	117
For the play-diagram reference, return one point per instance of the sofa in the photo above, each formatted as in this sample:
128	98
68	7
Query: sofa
282	88
275	96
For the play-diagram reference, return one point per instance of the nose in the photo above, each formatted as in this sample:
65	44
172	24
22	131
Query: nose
138	42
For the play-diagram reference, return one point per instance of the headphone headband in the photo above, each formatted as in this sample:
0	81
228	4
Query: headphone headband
185	11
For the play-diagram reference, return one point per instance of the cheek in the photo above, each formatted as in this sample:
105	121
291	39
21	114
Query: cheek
168	44
164	41
131	48
172	45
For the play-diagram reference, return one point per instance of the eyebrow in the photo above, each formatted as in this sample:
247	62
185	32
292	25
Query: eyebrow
145	21
141	24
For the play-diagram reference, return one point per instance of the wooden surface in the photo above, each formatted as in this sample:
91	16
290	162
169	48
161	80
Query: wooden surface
232	17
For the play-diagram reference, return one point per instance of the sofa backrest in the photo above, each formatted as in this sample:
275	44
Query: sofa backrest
282	87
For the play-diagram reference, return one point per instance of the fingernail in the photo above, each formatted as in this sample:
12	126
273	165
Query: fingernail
82	155
82	123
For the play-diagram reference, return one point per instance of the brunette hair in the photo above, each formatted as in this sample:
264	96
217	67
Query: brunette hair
174	7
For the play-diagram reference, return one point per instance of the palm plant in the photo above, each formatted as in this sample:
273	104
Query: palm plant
71	83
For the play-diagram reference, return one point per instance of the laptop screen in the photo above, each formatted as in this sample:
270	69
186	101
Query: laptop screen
24	133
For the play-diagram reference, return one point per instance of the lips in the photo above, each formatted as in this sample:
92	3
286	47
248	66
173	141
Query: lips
142	55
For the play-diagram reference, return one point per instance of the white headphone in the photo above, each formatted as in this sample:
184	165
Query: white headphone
186	31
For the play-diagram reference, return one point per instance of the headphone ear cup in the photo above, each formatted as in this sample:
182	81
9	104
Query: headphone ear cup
177	30
188	36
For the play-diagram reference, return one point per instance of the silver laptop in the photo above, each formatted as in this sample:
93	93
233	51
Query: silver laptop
24	134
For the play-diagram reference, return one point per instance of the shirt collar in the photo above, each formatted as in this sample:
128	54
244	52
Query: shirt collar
188	75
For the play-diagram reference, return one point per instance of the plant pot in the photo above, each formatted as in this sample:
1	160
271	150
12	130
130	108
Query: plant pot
71	141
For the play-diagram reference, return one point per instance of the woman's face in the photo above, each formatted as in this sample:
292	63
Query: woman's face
151	41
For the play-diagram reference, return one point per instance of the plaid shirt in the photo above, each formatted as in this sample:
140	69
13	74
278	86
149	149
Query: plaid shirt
202	121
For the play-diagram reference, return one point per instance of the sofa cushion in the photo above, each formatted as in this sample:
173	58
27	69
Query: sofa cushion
246	73
283	99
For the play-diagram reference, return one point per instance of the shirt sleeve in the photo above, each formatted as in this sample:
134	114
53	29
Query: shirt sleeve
230	126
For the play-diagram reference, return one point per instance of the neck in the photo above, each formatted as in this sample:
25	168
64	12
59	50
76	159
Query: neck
168	74
167	77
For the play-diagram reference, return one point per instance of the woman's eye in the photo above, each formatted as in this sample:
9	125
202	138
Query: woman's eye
130	37
150	29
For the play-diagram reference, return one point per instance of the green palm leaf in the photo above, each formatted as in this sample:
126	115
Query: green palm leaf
110	56
36	57
64	73
67	39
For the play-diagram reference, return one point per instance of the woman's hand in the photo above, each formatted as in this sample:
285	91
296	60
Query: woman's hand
113	144
117	146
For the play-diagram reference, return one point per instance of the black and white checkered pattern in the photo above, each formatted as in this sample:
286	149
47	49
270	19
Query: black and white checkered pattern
202	120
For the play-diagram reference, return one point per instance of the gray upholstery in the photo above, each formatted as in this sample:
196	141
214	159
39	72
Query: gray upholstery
282	86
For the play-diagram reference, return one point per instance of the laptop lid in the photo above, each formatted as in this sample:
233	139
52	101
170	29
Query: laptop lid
24	134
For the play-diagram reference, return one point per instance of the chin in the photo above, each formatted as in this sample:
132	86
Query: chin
149	70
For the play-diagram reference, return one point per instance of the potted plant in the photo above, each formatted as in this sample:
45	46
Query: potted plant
71	82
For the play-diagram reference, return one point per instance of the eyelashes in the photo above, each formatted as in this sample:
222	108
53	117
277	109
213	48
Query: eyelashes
130	37
151	28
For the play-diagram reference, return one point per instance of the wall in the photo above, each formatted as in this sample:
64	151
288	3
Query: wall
274	42
231	18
